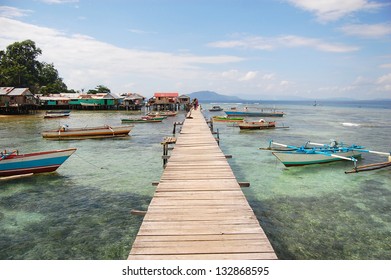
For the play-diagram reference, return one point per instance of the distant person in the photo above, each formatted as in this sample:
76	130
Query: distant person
195	103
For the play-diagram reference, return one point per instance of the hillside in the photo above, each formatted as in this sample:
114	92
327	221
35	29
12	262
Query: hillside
211	96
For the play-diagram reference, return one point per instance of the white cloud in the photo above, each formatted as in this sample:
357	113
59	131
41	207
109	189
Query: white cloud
332	10
59	1
387	65
261	43
318	44
367	30
250	75
384	84
254	42
84	62
12	12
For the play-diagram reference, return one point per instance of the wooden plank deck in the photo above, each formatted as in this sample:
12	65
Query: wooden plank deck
199	210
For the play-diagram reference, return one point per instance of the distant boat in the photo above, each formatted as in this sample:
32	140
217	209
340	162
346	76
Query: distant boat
13	163
144	119
57	114
227	119
106	131
258	113
86	104
216	109
163	113
261	124
306	155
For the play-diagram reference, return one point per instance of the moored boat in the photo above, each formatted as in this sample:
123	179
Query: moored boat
309	156
13	163
163	113
144	119
322	153
106	131
261	124
57	114
227	119
260	113
216	109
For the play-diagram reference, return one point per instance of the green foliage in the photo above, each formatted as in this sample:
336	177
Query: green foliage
19	67
99	89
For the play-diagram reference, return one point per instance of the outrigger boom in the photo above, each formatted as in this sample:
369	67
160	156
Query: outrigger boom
303	155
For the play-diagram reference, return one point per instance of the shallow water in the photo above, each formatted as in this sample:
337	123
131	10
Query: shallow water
82	211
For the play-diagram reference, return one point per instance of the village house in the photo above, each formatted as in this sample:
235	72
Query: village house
17	101
132	101
164	101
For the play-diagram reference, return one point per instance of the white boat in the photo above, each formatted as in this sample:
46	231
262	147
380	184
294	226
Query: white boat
297	158
314	153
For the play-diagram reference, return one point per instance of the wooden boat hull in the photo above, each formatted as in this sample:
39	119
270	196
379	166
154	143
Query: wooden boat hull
163	114
52	116
216	109
255	113
38	162
84	133
257	125
227	119
295	158
144	120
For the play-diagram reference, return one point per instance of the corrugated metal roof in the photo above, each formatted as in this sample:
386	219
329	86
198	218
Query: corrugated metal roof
20	91
11	91
166	94
5	90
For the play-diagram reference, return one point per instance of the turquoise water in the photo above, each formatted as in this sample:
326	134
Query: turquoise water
82	211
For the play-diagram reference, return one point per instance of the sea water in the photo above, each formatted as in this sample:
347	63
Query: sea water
82	211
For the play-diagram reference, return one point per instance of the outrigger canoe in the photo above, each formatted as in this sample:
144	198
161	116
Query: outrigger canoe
306	155
13	163
57	114
144	119
227	119
261	124
260	113
106	131
163	113
322	153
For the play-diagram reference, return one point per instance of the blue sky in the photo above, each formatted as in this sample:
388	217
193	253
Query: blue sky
254	49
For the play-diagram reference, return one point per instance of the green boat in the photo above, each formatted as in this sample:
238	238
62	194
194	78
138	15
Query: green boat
227	119
144	119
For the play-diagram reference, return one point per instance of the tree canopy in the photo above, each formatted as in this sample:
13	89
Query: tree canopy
19	67
99	89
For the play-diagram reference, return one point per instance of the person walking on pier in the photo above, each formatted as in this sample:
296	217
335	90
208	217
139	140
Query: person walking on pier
195	103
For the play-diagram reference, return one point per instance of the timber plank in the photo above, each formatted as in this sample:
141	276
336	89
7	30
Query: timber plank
198	210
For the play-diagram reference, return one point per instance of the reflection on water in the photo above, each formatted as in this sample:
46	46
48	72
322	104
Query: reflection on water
82	211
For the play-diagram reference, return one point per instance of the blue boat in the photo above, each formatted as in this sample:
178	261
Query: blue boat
260	113
13	163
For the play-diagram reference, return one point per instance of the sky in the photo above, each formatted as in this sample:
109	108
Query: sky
253	49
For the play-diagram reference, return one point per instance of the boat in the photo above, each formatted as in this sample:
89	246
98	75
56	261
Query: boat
106	131
261	124
227	119
13	163
321	153
86	104
57	114
144	119
259	113
163	113
216	109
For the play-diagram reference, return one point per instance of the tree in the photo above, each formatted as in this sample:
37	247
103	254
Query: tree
99	89
19	67
50	79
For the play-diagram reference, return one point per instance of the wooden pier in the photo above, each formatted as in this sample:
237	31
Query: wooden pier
199	210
